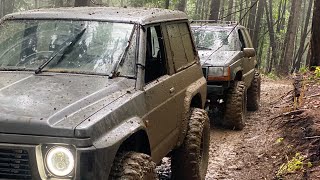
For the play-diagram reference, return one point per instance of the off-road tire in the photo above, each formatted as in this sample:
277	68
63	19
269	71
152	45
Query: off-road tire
253	99
190	160
133	166
234	117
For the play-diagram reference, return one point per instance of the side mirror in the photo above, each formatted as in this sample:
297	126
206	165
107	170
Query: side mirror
249	52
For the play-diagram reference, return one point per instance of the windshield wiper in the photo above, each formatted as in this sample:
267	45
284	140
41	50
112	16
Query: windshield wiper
66	46
203	48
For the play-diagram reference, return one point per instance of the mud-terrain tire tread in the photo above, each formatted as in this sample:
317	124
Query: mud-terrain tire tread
253	99
187	162
234	117
133	166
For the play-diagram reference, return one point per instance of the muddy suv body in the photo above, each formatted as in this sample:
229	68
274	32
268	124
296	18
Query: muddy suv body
86	92
229	65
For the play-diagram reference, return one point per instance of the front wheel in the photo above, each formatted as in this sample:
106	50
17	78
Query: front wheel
190	160
236	100
133	166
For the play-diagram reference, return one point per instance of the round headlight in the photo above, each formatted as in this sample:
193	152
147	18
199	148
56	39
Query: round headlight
60	161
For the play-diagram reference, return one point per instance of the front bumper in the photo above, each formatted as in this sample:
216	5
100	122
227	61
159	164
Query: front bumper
215	89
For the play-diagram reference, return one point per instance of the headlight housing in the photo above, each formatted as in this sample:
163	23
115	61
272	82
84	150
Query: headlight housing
60	161
218	73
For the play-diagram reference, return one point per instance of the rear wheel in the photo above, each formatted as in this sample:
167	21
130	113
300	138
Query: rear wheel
254	93
190	160
235	111
133	166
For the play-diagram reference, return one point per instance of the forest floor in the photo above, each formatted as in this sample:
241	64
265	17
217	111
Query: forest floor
280	141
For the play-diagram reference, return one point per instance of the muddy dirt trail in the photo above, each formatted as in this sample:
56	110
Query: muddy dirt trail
278	133
237	155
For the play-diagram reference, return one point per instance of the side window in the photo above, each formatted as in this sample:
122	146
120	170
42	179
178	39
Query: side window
242	41
155	59
181	45
187	42
247	38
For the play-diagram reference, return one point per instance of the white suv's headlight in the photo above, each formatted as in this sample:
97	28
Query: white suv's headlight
60	161
218	73
215	71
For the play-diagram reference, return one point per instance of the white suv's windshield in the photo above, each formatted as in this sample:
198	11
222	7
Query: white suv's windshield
73	46
215	39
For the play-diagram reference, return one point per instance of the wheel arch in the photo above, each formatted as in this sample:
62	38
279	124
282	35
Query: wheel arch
108	145
195	96
138	142
196	101
238	76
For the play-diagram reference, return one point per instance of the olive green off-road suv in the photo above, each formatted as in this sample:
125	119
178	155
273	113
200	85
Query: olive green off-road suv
100	93
228	61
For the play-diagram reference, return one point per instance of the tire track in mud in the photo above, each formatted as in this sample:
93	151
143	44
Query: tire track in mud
237	155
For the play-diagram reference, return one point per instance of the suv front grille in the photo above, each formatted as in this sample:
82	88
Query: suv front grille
14	164
204	71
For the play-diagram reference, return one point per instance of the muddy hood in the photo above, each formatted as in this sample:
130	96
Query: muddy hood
53	104
219	58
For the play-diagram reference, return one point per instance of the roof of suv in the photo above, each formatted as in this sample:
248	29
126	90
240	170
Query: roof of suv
131	15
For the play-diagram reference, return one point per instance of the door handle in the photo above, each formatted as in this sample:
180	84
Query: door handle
172	90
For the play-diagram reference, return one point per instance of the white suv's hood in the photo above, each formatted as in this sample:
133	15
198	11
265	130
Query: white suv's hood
218	58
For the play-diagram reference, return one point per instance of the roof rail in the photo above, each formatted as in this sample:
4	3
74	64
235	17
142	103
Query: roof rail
214	22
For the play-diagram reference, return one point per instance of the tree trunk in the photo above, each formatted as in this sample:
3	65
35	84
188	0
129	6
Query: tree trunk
68	3
230	8
271	35
283	17
197	10
6	7
1	8
240	8
308	59
203	9
290	37
257	28
252	15
221	16
297	64
36	4
279	15
181	6
245	18
214	13
280	26
58	3
268	61
78	3
315	39
166	4
259	48
207	9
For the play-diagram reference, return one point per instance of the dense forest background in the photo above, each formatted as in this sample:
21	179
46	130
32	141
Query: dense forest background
284	32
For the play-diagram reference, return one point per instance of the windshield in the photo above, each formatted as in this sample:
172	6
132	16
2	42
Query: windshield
215	39
97	46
